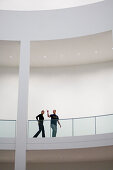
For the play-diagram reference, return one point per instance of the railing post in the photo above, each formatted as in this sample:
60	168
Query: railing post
28	129
95	125
72	127
50	128
15	128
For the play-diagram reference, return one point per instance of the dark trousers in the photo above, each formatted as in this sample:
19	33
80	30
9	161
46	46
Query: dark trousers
41	128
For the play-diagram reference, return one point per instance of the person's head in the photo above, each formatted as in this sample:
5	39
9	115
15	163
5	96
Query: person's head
54	111
42	112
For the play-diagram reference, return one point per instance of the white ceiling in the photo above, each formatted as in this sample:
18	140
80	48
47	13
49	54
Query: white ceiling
63	155
9	53
74	51
67	52
30	5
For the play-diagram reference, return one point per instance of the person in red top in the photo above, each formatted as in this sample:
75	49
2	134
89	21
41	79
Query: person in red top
40	119
54	120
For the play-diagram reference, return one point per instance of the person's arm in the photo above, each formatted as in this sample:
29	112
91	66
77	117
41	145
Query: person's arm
37	117
59	123
48	113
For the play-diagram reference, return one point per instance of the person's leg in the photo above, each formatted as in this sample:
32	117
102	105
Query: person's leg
52	127
43	131
53	130
40	129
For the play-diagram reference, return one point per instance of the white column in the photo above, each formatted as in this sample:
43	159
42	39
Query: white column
21	136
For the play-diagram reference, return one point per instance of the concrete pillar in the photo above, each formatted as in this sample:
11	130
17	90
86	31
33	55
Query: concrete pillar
21	135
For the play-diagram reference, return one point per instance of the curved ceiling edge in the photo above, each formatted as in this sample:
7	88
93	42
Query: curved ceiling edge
57	24
32	5
70	142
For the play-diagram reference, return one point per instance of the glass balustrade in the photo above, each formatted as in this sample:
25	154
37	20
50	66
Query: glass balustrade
69	127
7	128
84	126
75	126
33	128
104	124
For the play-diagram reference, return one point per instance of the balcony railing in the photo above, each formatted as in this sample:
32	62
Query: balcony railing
70	127
75	126
7	128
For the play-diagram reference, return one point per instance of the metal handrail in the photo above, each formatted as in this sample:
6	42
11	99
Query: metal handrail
7	120
66	118
81	117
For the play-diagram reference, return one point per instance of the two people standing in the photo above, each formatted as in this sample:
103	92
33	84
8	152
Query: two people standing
54	120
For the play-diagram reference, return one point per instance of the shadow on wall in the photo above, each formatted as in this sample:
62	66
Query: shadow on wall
83	69
105	165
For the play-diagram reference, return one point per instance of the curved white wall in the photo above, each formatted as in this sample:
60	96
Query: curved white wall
74	91
30	5
57	24
8	93
61	143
